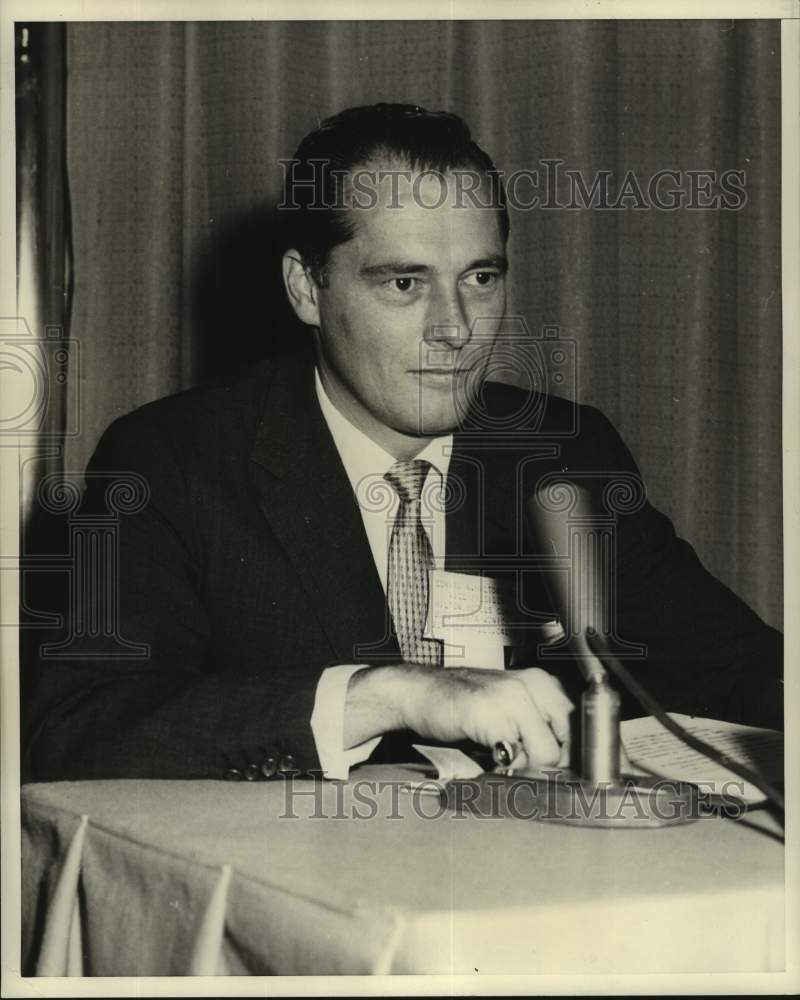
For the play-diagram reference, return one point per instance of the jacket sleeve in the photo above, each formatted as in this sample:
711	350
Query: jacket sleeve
146	699
707	652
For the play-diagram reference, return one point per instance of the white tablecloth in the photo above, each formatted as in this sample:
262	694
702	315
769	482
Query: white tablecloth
174	878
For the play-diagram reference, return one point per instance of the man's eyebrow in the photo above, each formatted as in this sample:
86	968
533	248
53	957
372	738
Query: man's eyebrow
392	267
497	262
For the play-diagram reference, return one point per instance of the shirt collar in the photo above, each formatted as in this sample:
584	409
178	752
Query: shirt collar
362	458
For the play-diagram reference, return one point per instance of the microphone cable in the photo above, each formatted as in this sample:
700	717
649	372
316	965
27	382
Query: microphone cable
652	707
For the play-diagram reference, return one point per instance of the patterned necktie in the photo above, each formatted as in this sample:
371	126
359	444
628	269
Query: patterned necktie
410	558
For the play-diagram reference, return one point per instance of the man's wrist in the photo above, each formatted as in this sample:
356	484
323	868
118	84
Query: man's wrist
380	699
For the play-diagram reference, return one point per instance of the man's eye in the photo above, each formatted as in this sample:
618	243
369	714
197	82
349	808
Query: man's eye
483	279
402	284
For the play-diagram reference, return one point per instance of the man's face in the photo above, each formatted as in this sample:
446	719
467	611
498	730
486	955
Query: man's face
397	346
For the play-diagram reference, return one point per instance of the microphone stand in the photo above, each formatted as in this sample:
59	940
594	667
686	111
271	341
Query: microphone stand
601	795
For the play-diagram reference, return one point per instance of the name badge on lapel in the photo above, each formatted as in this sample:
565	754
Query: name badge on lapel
473	615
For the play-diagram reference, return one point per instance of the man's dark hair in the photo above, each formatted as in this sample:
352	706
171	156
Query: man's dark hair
405	134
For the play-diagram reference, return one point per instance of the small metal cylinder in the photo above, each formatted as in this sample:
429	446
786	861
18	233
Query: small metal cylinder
600	733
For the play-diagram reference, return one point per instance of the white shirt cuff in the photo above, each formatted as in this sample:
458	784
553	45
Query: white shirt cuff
327	723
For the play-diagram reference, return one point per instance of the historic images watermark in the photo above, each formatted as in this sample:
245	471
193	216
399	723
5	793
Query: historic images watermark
665	802
550	185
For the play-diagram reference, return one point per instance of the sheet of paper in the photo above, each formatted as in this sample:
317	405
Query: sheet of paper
450	763
657	751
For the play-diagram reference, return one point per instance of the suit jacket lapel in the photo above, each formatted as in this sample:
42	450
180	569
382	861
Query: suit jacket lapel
475	520
486	534
306	496
492	477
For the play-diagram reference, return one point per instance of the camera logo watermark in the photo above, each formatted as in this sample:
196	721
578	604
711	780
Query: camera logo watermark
39	382
501	349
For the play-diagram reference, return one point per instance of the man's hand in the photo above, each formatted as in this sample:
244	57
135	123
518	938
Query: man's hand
527	707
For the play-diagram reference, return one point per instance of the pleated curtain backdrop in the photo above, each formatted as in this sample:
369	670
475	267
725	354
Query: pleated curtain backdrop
175	131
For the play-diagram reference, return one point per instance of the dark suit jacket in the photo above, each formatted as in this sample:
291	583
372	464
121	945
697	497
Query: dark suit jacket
248	572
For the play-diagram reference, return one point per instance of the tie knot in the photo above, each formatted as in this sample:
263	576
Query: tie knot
407	477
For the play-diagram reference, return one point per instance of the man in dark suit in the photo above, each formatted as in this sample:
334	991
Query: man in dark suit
272	607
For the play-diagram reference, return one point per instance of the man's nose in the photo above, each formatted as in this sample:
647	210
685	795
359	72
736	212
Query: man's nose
447	321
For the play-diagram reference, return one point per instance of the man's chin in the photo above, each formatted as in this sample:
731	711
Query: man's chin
435	422
442	413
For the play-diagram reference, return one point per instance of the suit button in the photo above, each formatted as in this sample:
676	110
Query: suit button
252	772
233	774
286	764
269	767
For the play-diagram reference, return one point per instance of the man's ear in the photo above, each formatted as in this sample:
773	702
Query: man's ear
301	288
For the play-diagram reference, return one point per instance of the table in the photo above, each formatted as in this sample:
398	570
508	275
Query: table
136	878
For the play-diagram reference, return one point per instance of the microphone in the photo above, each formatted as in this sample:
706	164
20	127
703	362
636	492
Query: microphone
581	597
563	517
576	595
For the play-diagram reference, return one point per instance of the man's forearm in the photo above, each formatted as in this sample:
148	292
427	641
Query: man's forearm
375	699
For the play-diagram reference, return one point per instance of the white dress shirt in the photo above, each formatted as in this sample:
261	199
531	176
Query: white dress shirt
365	463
